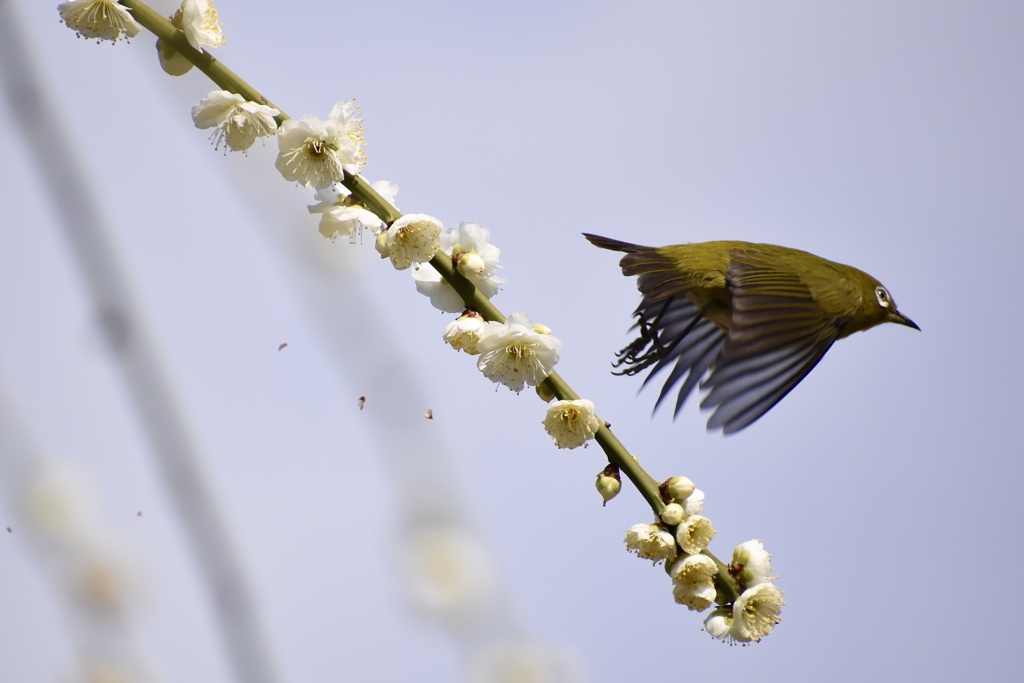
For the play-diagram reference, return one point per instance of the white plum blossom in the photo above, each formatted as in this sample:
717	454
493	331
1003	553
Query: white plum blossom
473	256
693	570
697	597
750	564
342	215
317	153
694	502
757	611
650	542
61	501
571	423
513	353
463	333
238	121
694	534
100	19
719	625
506	659
413	238
447	572
199	23
693	582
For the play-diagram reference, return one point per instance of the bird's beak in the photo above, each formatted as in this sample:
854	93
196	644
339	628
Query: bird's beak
897	317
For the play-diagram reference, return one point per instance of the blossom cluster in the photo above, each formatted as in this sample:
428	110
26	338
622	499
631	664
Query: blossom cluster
324	155
757	610
754	613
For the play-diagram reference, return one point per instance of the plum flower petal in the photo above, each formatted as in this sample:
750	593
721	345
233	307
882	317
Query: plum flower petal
474	257
513	353
318	153
199	23
100	19
571	423
413	239
650	542
238	122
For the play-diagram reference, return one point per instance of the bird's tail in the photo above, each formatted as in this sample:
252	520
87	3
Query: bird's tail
614	245
659	275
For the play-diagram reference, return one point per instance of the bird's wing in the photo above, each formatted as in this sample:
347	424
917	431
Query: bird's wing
777	334
672	333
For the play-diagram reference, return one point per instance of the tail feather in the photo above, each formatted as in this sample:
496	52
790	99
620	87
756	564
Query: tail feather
659	276
614	245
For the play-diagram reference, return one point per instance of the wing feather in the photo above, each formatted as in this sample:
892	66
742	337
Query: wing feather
672	333
777	334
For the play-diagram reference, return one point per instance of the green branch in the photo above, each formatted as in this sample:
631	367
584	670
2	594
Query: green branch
471	296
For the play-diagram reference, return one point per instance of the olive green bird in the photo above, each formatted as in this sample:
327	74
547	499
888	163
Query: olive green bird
753	318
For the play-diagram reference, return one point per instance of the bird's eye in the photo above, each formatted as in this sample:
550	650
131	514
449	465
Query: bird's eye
884	300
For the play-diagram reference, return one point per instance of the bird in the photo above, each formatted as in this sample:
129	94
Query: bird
745	322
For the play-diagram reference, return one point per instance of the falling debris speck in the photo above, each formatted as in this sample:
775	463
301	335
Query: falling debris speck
429	414
362	402
282	346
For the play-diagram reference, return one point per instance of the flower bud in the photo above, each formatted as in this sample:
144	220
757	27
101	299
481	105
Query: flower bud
545	393
541	329
608	484
471	265
172	61
672	514
750	564
381	245
678	488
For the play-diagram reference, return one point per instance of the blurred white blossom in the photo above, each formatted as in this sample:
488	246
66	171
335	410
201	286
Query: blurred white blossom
523	661
448	573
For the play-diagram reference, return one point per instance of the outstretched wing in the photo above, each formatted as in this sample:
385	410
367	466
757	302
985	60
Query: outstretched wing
777	334
673	333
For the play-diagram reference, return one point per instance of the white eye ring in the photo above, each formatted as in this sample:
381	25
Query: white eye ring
882	294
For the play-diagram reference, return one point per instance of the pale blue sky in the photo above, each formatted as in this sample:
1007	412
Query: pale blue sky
886	135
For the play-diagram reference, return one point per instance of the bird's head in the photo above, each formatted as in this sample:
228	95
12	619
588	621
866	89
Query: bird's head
877	307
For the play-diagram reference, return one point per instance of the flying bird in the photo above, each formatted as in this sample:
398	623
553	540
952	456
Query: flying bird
746	322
